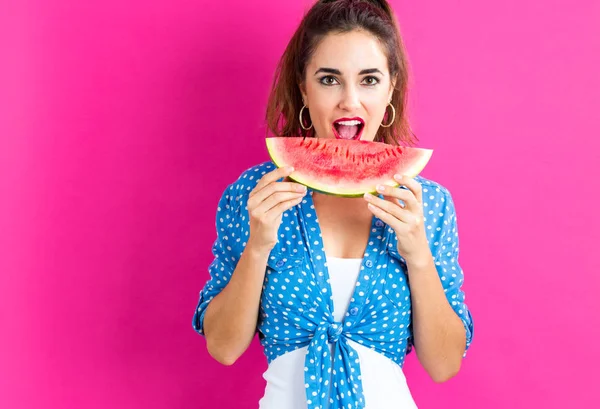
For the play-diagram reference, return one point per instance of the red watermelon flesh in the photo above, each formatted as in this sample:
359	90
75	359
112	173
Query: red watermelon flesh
345	167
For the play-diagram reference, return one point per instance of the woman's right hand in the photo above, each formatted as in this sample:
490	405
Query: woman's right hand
266	204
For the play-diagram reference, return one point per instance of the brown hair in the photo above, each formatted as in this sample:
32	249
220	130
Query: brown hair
339	16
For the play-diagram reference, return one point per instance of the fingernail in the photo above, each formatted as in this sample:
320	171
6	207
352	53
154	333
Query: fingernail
398	177
289	168
380	188
301	188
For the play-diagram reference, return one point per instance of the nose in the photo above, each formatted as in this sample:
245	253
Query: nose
350	99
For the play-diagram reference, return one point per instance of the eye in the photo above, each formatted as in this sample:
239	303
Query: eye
371	80
326	80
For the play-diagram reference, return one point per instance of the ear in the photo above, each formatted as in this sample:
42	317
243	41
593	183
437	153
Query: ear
303	93
392	87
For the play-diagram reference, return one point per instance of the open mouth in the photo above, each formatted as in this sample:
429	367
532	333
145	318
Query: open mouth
348	128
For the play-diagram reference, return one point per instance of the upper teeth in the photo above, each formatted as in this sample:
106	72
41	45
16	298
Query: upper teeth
349	123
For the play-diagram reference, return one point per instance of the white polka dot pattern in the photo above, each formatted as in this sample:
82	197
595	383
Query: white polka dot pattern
296	307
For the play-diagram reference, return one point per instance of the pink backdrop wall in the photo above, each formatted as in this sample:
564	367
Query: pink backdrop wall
116	143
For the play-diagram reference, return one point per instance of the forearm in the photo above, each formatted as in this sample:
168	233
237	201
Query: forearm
439	335
231	317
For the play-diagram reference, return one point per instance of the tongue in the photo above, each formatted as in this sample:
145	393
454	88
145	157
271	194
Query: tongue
347	131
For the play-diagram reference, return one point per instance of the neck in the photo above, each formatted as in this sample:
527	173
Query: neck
343	204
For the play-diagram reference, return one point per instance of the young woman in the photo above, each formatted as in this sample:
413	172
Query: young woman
338	289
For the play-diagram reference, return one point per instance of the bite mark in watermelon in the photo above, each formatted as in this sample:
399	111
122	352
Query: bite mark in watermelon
347	168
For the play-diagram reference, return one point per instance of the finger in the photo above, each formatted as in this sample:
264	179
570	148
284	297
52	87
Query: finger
386	217
273	188
389	207
271	177
407	196
275	199
414	186
281	207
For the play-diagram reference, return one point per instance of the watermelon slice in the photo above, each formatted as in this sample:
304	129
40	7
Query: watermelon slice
346	168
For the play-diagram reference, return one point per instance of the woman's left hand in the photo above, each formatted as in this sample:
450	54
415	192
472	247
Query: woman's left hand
407	221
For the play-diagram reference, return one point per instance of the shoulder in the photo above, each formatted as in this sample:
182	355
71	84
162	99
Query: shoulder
235	197
438	204
432	186
249	178
232	219
240	188
434	192
439	212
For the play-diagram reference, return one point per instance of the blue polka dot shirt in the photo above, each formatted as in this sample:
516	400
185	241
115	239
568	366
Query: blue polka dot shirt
296	306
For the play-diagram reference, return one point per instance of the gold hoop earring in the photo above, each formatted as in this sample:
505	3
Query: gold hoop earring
300	117
393	116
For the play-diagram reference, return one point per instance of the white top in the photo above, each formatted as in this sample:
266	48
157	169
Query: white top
384	384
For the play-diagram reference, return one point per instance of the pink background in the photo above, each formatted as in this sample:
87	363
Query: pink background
122	122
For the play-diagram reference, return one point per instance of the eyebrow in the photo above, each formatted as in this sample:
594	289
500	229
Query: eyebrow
338	72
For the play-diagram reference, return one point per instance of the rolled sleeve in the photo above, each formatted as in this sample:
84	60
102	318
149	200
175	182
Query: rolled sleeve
446	261
226	253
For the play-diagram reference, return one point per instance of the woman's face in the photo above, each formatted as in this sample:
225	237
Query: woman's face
347	87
